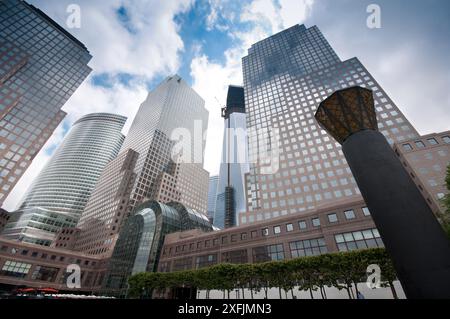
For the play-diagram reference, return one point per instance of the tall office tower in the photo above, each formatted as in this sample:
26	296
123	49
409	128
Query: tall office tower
230	202
41	66
59	194
212	196
286	76
156	139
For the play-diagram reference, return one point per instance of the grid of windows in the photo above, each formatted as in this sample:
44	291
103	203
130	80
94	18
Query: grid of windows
369	238
205	261
15	269
235	257
284	84
311	247
182	264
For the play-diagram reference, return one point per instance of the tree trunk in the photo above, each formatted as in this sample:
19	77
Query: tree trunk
394	292
265	291
311	293
228	292
223	294
325	292
243	293
321	292
348	291
279	291
356	289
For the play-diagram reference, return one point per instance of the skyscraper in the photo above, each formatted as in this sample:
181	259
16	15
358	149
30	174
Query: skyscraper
59	194
230	201
41	66
286	76
171	121
212	196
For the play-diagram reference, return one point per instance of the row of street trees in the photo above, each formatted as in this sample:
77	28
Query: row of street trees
340	270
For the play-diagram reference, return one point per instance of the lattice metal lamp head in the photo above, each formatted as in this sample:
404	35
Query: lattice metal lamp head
347	112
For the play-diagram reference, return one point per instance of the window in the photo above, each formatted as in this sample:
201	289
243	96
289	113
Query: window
407	147
254	234
369	238
349	214
446	139
205	261
235	257
332	218
243	236
432	141
311	247
316	222
366	211
302	224
265	232
277	230
15	269
182	264
289	227
420	144
42	273
268	253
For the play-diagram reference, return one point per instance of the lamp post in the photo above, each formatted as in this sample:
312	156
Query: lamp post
416	242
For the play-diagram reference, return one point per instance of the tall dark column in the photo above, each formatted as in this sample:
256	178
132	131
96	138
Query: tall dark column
411	233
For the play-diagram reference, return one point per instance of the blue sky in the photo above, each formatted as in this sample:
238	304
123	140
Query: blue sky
137	43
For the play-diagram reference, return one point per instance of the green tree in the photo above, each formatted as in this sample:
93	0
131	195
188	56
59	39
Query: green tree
446	202
341	270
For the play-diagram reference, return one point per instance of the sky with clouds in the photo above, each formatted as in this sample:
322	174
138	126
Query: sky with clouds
137	43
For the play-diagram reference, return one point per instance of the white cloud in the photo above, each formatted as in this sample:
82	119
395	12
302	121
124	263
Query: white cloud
152	48
263	12
295	11
420	91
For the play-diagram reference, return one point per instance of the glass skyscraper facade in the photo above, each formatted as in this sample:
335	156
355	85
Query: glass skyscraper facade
230	198
286	76
212	195
147	166
41	66
59	194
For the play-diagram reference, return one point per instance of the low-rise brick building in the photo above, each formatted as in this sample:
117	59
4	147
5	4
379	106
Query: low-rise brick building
328	229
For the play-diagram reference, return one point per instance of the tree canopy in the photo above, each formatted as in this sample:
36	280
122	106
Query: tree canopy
341	270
